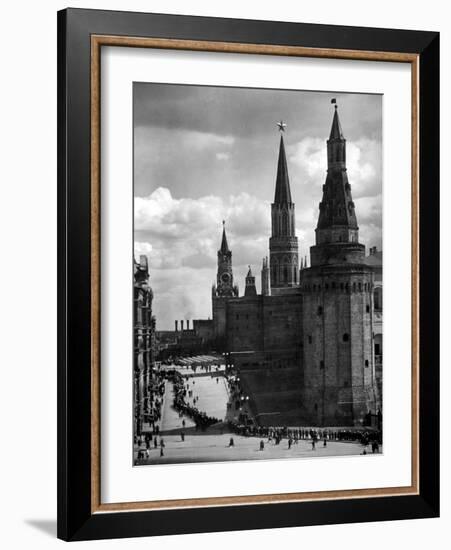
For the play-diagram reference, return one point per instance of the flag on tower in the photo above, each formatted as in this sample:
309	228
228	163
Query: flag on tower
333	100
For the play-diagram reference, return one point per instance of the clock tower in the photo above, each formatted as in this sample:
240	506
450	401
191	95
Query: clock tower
222	292
224	279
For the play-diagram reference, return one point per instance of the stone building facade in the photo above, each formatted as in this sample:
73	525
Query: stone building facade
144	346
306	347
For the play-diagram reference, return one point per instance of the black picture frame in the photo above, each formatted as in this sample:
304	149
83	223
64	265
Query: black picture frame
76	520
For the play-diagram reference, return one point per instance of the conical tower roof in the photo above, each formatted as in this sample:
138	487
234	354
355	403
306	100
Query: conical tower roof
224	245
336	132
337	207
283	193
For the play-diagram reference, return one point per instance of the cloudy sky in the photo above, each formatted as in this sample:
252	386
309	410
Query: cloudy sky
204	154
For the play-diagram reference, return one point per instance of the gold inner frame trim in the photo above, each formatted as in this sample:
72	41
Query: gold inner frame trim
97	41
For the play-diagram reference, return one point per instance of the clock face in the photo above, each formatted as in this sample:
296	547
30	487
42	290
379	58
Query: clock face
225	278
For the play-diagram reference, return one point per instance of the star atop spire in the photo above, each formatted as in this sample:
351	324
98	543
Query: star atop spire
281	125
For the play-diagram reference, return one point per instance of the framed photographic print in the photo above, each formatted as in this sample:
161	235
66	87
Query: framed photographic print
248	285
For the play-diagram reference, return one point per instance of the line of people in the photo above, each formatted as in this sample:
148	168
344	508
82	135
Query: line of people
201	419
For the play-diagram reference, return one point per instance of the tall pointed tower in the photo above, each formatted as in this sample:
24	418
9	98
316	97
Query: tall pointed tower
283	243
224	275
337	303
222	291
337	232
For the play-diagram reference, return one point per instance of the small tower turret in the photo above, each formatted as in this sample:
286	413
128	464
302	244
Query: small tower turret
265	277
250	289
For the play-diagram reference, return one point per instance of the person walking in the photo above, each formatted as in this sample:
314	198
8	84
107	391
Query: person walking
262	445
231	442
313	443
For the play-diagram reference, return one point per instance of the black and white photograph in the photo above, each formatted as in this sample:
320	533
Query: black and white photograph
257	274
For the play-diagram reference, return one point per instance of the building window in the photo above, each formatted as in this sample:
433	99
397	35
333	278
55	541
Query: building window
237	317
378	299
316	406
310	339
367	308
345	337
367	364
320	310
321	364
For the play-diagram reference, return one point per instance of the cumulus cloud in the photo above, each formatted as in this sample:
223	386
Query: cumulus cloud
310	155
207	154
222	156
363	162
182	237
142	248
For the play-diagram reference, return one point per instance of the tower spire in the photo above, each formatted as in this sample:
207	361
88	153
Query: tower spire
336	132
283	244
283	192
224	245
337	221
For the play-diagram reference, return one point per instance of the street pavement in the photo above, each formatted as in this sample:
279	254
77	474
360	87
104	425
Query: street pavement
212	395
214	447
213	444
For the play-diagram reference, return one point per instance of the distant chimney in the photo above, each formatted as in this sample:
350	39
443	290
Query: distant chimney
181	323
187	324
176	326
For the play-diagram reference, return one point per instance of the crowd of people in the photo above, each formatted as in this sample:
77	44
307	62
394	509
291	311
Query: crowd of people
155	393
180	404
242	424
278	433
